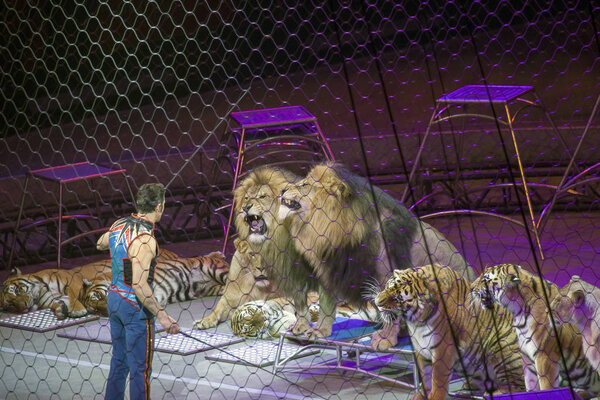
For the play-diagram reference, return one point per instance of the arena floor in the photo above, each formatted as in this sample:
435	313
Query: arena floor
45	366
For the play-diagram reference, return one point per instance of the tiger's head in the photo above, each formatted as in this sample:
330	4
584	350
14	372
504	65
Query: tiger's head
497	285
248	321
405	296
257	205
94	296
19	293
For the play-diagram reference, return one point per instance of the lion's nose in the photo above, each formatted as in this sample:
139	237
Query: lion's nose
247	207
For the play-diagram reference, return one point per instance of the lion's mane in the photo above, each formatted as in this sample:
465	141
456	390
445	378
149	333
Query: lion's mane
350	231
259	193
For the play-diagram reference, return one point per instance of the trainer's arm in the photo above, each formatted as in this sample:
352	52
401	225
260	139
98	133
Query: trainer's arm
102	243
141	252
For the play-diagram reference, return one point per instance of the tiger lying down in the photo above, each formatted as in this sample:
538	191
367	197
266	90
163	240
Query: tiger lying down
265	319
82	290
449	334
522	293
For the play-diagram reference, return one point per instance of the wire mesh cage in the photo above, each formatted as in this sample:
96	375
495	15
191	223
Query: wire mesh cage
463	134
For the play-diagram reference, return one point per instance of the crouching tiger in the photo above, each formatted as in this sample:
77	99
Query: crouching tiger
522	293
448	334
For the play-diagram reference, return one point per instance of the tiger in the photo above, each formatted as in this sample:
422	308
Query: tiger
93	295
179	279
264	319
578	303
448	334
524	295
55	289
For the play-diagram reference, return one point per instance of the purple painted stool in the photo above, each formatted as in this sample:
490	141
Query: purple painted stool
61	175
502	95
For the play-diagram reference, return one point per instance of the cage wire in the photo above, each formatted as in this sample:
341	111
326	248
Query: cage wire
100	97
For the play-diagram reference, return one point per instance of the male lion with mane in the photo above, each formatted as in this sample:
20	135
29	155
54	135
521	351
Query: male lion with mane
256	202
351	232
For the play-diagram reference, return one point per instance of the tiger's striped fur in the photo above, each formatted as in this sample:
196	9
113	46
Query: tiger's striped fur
578	303
263	319
75	292
522	293
447	333
180	279
57	289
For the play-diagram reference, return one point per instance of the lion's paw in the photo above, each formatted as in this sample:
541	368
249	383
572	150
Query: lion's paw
314	333
418	396
301	327
205	323
381	342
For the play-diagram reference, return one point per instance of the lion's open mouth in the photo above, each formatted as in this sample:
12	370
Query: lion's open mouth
257	224
291	204
261	278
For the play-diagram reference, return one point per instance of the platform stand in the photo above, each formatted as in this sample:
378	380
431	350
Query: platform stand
271	131
514	100
62	175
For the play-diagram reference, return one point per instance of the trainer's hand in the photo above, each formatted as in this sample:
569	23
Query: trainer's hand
168	323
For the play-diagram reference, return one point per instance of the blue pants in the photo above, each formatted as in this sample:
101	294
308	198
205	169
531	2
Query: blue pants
132	334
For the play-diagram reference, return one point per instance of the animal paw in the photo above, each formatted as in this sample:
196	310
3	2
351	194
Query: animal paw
314	333
381	342
78	313
418	396
205	323
301	327
60	309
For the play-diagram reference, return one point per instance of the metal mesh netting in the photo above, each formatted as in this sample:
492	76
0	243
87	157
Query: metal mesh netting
101	97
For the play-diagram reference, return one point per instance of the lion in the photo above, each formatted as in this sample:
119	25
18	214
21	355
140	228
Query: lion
578	303
350	232
246	282
256	202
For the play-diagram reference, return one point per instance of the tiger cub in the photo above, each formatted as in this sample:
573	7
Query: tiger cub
522	293
179	279
449	334
578	303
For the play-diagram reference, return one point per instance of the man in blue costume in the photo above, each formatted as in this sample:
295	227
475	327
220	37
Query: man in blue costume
131	303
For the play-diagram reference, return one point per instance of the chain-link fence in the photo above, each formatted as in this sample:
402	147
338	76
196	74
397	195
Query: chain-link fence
100	97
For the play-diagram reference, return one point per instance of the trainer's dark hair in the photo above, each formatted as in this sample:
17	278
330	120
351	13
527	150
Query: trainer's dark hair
149	196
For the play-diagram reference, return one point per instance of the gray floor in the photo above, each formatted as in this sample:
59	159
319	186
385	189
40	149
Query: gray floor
46	366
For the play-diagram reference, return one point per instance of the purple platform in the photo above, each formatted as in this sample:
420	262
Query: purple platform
73	172
485	94
272	116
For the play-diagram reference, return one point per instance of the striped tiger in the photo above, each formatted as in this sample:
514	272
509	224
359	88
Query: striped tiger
263	319
93	295
447	334
56	289
180	279
522	293
578	303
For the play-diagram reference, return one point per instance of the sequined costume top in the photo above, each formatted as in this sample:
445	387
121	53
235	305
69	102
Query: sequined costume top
122	233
